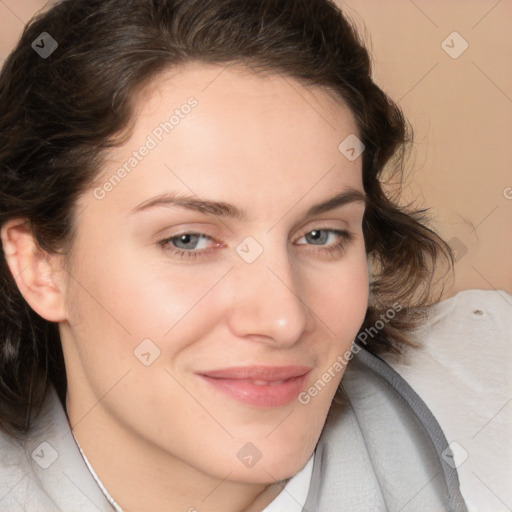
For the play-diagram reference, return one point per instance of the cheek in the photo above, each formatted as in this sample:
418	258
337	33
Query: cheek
129	301
340	306
340	298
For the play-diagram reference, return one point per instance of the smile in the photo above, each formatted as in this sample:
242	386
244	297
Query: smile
259	386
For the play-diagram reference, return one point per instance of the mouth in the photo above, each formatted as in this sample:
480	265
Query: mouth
260	386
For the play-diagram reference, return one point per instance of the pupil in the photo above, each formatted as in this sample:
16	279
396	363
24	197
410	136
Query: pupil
185	241
317	235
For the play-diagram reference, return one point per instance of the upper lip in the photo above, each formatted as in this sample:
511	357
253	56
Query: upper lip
266	373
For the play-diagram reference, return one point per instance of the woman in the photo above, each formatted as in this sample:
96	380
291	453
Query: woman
195	244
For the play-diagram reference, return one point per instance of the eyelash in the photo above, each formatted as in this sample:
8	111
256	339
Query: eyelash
345	237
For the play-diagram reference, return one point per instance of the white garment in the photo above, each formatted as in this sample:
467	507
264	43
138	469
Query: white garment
463	372
111	500
294	493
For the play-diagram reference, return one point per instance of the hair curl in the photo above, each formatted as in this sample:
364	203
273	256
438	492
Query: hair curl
59	115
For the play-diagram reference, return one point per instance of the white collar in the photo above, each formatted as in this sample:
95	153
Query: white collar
293	495
111	500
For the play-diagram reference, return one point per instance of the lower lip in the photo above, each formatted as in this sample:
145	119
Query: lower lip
263	396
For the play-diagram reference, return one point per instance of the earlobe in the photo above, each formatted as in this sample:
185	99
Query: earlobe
34	270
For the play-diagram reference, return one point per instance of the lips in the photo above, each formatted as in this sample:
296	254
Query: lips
263	386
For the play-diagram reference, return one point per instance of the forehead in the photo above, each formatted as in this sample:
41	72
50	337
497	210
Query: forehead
221	130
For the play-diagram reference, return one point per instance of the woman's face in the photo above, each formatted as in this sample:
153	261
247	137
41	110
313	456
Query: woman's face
192	333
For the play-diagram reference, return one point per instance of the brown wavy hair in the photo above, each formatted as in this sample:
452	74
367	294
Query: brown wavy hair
59	115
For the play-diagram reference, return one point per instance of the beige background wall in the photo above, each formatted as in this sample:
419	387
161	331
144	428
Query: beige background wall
460	108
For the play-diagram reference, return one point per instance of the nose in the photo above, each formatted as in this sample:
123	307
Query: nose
267	303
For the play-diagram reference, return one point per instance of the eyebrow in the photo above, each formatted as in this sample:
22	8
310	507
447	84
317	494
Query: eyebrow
226	210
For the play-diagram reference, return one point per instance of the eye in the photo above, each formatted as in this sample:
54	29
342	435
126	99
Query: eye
322	236
188	245
189	240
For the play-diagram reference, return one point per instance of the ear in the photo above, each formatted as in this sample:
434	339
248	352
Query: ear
38	274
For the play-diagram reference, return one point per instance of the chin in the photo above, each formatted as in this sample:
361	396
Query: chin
274	465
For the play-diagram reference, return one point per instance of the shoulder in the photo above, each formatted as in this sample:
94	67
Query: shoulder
381	447
463	371
44	471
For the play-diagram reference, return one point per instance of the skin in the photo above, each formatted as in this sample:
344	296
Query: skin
159	437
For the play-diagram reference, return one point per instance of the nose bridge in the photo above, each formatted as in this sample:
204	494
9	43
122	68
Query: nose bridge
267	299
